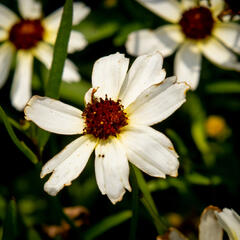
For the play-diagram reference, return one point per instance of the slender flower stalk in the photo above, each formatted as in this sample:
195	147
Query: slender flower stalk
31	36
194	30
120	108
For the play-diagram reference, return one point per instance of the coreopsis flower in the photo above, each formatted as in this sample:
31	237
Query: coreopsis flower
194	30
120	108
31	36
212	223
230	222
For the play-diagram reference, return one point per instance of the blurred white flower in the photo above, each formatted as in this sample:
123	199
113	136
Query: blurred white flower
195	30
120	108
32	36
212	223
230	222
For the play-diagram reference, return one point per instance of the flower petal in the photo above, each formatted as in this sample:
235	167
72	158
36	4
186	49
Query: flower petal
7	17
80	11
187	64
145	71
68	164
6	55
187	4
77	42
164	39
54	116
230	221
3	35
21	89
167	9
44	53
229	34
217	6
150	151
30	9
157	102
108	75
111	168
209	227
220	55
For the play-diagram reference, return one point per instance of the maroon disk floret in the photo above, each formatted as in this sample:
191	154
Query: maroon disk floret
197	23
26	33
104	118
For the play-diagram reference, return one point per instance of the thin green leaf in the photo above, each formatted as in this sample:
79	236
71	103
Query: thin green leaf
10	222
60	51
21	145
59	56
224	87
33	235
106	224
149	203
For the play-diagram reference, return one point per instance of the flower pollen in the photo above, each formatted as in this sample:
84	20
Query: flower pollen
197	23
26	33
104	117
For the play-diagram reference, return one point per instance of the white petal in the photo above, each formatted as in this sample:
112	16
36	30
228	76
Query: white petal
3	35
77	42
108	75
68	164
6	54
44	53
7	17
209	229
220	55
30	9
80	11
150	151
187	4
229	34
157	102
187	64
145	71
21	89
111	168
70	72
217	6
164	39
167	9
54	116
230	221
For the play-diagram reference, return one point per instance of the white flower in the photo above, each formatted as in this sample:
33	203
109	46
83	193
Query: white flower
230	222
120	108
32	36
195	30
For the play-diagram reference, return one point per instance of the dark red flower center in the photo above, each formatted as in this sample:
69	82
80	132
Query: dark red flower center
26	33
197	23
104	118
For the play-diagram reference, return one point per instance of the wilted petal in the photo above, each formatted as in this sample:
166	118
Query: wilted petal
112	170
21	89
150	151
209	229
187	64
157	102
54	116
144	72
68	164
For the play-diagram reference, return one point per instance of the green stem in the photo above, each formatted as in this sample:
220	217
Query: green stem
148	202
135	206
